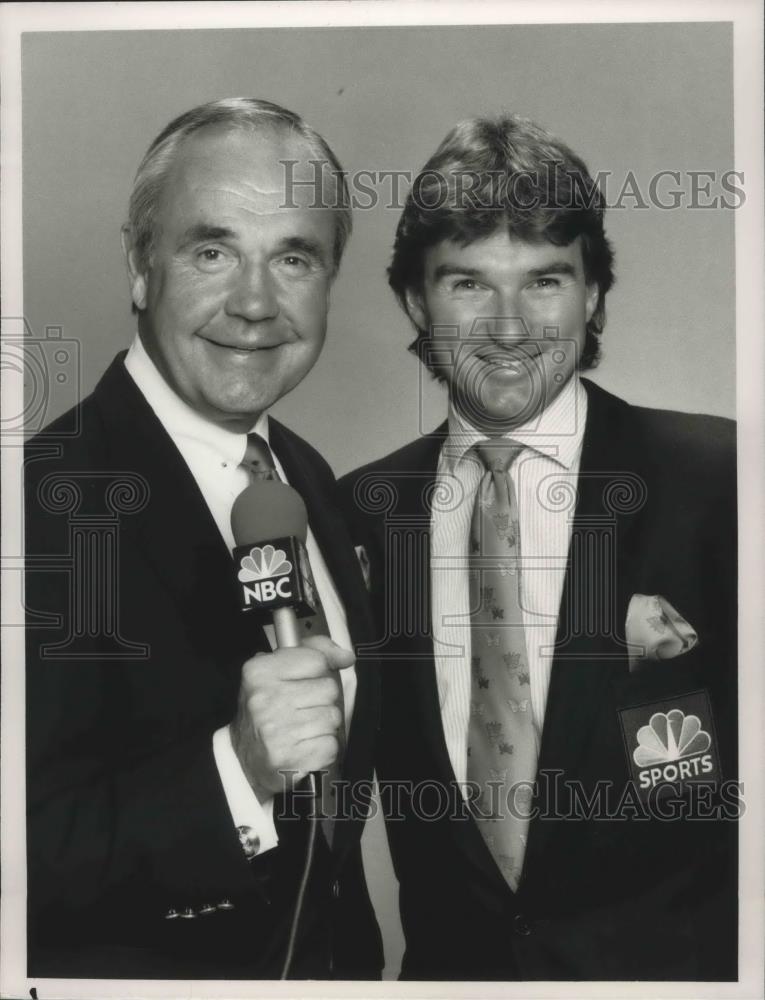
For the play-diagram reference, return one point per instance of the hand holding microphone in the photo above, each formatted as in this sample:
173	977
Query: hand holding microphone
289	710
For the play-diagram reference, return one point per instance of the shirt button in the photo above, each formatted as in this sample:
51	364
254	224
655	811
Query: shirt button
336	889
522	925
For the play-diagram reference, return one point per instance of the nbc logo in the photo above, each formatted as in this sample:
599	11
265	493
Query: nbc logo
672	746
268	571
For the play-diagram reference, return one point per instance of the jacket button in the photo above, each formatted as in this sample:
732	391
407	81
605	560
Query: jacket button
336	889
188	913
225	904
206	909
171	915
522	925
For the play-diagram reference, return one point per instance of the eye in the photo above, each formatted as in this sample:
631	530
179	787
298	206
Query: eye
465	285
546	283
211	258
294	262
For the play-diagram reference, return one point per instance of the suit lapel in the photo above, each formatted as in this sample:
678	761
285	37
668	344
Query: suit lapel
406	549
589	649
175	530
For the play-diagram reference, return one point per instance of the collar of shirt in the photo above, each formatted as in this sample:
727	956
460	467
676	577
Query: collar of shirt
557	432
199	441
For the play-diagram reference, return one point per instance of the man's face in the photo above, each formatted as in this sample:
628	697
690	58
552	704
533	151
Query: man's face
512	315
233	302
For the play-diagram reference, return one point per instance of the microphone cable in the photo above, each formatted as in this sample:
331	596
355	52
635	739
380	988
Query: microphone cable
300	898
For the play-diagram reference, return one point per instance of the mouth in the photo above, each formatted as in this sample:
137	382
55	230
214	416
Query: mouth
506	364
514	361
242	348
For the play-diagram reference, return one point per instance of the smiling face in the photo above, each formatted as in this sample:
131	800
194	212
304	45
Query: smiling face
513	316
233	301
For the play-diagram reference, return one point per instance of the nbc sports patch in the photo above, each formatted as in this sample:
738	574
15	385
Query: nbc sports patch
671	742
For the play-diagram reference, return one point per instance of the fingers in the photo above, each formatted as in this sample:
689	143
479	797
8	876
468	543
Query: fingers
325	720
320	692
317	754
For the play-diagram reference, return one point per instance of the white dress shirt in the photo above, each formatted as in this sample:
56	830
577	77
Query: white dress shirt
544	476
213	455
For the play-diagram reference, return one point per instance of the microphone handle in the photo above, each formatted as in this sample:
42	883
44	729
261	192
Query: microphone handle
288	636
286	628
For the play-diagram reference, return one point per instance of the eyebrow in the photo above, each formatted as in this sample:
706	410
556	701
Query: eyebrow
202	231
555	267
450	270
562	267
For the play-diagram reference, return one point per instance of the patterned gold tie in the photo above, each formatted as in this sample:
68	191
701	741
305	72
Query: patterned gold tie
259	462
502	742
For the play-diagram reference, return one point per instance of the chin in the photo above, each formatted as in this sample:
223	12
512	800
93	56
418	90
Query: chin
506	410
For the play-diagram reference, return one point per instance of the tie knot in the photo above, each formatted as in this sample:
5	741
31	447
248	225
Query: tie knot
498	455
258	458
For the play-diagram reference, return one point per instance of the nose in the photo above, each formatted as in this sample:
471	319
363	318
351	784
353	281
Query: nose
504	320
253	295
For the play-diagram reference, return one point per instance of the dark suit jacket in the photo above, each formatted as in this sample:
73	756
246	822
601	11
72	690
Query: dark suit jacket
621	893
134	659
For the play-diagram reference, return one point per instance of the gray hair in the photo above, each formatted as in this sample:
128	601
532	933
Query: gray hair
235	113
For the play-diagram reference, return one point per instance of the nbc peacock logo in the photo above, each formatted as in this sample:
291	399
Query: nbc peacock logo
261	564
673	746
265	573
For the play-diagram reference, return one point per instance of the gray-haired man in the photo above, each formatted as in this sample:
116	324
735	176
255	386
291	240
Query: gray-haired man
163	841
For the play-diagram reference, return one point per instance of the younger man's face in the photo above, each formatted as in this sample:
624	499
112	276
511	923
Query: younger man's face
513	315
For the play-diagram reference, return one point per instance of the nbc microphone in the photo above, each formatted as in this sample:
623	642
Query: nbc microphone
270	524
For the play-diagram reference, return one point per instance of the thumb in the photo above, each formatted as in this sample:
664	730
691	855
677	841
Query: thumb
338	658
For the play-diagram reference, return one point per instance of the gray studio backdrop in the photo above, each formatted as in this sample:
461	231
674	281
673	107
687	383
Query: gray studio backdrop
640	98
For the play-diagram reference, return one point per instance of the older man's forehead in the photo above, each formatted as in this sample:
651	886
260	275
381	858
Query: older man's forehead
269	168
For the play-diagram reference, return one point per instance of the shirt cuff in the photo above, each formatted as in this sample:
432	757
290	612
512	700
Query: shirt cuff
247	811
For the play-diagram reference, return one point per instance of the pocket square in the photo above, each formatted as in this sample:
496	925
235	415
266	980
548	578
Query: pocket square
363	558
656	631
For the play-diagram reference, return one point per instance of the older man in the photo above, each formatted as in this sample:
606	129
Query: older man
553	571
168	744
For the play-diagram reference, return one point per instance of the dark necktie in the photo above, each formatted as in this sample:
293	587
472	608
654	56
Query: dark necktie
502	743
258	459
259	462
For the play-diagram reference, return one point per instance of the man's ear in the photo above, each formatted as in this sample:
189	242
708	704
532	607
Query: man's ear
136	276
415	306
591	300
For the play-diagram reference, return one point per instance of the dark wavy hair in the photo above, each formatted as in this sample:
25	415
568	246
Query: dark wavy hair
505	170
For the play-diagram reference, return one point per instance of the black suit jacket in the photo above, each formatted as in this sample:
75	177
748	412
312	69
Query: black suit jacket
134	655
610	890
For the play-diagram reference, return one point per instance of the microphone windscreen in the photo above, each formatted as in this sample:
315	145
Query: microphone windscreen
268	509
